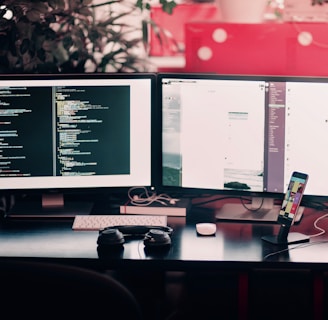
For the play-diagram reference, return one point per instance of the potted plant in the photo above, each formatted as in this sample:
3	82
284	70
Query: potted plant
70	36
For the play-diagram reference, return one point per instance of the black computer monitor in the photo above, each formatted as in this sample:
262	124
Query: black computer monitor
243	135
63	133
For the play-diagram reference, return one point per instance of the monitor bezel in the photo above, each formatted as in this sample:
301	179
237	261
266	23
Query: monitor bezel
83	190
310	199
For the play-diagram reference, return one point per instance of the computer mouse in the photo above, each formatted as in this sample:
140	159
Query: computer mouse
206	229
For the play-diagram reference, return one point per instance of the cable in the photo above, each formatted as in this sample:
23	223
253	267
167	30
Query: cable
252	209
146	198
322	231
303	245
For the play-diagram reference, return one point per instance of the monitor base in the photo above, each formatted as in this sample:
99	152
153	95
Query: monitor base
292	238
55	207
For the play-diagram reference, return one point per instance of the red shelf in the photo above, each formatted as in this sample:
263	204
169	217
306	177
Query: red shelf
268	48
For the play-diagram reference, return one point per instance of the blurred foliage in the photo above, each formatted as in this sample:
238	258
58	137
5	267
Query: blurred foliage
319	2
73	36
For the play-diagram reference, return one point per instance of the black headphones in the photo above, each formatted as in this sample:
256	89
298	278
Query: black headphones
157	237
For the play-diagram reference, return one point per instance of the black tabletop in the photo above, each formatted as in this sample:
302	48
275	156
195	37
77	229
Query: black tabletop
235	244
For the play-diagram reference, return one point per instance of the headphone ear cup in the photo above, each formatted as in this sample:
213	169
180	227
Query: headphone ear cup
156	238
111	237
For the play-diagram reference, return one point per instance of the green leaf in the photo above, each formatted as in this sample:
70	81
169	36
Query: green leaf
139	4
168	6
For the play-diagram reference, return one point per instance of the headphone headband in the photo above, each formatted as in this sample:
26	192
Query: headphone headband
138	230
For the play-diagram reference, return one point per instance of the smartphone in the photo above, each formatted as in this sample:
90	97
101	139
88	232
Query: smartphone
292	198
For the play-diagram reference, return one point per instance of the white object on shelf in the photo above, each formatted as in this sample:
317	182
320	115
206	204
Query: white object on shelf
302	10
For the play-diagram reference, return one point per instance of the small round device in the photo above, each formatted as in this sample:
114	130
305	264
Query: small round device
206	229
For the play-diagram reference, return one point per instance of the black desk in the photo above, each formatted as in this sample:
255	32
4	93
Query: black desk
234	244
230	269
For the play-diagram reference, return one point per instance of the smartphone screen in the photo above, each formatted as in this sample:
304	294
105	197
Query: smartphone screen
292	198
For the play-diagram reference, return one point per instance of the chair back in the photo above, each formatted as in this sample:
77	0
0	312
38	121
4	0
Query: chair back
42	290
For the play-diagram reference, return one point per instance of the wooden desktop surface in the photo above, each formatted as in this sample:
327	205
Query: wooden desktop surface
235	244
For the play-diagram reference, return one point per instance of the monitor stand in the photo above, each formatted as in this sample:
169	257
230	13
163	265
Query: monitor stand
50	206
260	210
284	237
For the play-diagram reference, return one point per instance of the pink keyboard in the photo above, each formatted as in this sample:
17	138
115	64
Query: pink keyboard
97	222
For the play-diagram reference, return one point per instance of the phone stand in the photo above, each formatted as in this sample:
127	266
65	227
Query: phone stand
285	237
